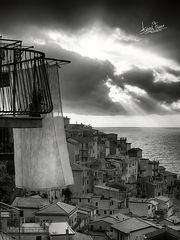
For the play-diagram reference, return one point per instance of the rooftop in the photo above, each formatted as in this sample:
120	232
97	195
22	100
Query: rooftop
58	208
85	195
131	225
167	173
134	149
82	236
177	228
118	186
30	202
121	217
106	187
78	167
84	211
163	234
139	200
98	235
162	167
174	219
81	139
5	236
89	207
162	198
108	219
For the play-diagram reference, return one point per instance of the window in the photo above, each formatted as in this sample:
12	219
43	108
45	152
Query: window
97	211
96	203
38	238
149	207
88	200
80	200
105	211
111	212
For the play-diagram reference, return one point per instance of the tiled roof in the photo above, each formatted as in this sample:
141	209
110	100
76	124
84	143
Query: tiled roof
85	195
161	167
121	217
131	225
58	208
139	200
98	235
167	173
174	219
5	236
82	236
82	139
168	232
89	207
78	167
177	228
83	211
162	198
134	149
66	207
117	186
106	187
30	202
108	219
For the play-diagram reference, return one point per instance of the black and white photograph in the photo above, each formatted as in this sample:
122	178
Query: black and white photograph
89	120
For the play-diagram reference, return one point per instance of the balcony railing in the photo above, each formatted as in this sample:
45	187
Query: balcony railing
26	230
24	85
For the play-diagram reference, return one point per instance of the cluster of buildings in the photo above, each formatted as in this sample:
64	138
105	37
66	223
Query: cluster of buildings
117	194
102	160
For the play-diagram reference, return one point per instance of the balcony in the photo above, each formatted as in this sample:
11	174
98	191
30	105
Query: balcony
27	230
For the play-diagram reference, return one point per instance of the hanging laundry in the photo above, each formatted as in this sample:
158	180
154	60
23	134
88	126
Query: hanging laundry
41	155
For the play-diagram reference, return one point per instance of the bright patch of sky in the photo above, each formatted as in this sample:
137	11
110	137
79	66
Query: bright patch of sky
116	46
152	120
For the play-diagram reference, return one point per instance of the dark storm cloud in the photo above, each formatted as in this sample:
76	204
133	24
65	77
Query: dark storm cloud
72	15
83	89
68	14
125	14
83	86
160	91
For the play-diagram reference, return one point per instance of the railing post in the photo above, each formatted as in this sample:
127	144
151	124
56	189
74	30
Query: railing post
14	84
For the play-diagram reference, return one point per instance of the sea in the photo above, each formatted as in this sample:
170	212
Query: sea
159	144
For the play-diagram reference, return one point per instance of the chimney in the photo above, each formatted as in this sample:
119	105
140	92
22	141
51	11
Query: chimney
67	231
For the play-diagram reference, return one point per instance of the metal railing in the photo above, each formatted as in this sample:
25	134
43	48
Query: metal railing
27	230
24	86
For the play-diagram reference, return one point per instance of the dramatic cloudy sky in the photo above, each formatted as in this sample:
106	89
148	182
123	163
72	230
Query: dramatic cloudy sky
117	77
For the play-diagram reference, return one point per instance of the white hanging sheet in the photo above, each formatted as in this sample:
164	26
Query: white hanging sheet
41	155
